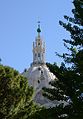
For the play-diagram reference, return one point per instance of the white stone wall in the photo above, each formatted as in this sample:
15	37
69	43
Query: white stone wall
39	76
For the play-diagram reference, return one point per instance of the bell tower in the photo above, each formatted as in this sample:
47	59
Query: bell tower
38	49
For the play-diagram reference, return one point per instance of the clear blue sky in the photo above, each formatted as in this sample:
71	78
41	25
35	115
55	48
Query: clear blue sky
18	24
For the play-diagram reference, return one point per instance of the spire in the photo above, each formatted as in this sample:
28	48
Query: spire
38	29
38	49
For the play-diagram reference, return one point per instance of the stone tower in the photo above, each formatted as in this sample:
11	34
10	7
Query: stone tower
38	74
38	49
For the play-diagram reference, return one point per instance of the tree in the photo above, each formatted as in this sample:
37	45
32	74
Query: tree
15	95
70	83
75	44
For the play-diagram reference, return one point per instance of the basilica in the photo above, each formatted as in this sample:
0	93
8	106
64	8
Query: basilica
38	74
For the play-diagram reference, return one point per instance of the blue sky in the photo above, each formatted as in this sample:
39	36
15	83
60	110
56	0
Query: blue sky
18	24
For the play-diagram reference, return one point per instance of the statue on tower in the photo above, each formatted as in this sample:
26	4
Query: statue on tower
38	30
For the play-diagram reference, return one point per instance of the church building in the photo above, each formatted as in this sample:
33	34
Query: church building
38	74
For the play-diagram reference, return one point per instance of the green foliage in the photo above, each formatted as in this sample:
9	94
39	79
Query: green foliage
78	11
52	113
15	95
75	28
70	83
56	92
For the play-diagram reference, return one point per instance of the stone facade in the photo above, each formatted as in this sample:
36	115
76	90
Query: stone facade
38	51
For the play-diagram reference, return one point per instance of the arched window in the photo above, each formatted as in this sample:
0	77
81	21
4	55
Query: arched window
38	54
39	44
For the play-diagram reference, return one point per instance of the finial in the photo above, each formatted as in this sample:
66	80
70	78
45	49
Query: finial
38	29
